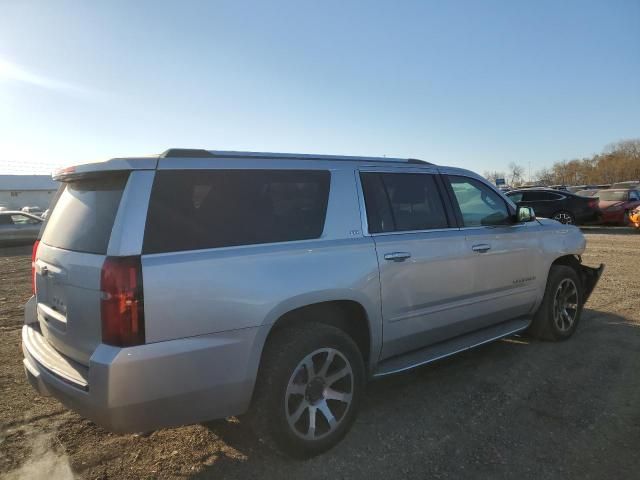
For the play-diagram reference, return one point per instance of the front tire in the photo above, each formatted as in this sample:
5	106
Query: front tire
309	387
561	308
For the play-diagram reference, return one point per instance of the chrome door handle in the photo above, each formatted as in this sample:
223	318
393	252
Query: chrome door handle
481	247
397	256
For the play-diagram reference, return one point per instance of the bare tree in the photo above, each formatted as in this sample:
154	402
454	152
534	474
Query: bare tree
618	162
515	172
544	176
493	175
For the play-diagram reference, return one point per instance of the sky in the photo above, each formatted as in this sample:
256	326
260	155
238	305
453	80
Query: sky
475	84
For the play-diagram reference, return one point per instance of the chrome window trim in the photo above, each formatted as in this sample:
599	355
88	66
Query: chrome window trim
413	232
364	223
484	227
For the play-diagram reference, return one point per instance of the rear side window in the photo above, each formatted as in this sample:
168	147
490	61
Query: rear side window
196	209
83	215
541	196
402	202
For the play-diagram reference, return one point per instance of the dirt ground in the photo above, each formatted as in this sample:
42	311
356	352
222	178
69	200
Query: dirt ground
513	409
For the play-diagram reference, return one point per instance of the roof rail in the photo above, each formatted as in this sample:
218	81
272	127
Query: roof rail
186	153
201	153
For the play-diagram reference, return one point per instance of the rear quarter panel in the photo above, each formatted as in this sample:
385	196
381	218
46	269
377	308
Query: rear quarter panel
195	293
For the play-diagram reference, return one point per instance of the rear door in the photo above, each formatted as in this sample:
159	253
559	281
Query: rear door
69	260
424	273
503	253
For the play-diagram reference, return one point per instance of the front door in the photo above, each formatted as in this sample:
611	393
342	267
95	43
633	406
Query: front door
503	253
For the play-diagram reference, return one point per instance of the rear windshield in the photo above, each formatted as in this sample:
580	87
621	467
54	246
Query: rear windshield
197	209
609	195
84	212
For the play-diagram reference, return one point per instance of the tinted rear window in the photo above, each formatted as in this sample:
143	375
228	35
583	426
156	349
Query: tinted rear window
540	196
196	209
402	202
83	215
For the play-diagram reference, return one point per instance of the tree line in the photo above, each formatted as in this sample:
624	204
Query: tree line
618	162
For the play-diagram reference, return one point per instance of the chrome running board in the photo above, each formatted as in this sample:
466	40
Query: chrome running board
447	348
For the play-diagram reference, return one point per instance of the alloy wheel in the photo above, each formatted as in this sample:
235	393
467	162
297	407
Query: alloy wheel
563	217
565	305
319	394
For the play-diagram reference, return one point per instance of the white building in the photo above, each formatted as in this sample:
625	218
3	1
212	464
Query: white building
17	191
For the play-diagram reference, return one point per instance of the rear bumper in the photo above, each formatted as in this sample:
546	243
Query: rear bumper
151	386
589	216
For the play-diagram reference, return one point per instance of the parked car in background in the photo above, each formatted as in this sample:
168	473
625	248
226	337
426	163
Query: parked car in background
206	284
587	193
18	227
615	205
563	206
32	210
580	188
631	184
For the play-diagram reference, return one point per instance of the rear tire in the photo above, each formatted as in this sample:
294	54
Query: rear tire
564	217
561	308
310	384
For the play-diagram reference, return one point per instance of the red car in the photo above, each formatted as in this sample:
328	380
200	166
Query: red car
615	204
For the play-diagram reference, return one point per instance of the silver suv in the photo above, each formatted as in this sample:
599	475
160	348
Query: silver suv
203	284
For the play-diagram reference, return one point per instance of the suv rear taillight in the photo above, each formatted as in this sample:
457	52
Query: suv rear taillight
122	303
593	203
34	257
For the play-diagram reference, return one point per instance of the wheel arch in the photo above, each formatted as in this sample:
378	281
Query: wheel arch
355	314
347	314
589	276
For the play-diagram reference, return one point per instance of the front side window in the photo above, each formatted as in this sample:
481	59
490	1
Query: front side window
479	205
197	209
402	202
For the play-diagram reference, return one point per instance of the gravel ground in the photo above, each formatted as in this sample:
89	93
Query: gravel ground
512	409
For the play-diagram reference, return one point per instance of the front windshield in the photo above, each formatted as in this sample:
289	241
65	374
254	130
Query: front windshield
612	195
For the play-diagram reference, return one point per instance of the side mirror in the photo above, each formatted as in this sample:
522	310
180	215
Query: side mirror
525	214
